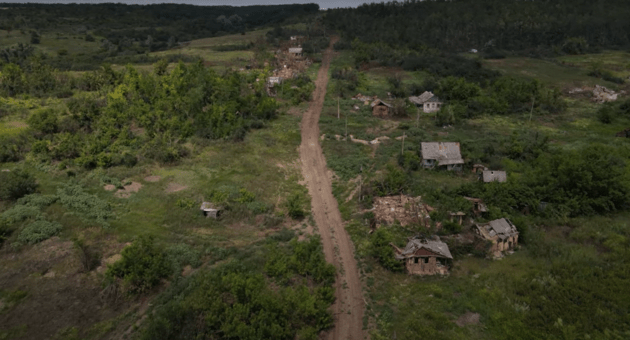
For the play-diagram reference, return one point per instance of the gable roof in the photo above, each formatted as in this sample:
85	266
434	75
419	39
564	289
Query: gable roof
295	50
438	247
380	102
494	175
421	99
444	152
503	228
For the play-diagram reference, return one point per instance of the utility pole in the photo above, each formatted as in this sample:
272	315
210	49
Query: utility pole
418	119
337	107
346	126
532	110
402	151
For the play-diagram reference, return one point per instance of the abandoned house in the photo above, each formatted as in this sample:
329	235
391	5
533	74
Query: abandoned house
295	51
402	208
429	102
441	154
494	176
502	233
380	108
478	206
209	210
424	257
272	81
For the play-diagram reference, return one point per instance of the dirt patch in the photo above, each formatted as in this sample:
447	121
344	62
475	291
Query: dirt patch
468	319
174	187
404	209
349	305
110	187
187	271
128	190
152	179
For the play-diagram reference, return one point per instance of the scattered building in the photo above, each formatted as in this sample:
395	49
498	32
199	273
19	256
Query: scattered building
272	81
494	176
429	102
457	217
209	210
478	206
441	154
295	51
380	108
502	233
424	257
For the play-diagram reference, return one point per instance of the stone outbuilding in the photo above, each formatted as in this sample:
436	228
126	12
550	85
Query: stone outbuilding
380	108
424	257
441	154
428	101
457	217
209	210
502	233
295	51
479	207
494	176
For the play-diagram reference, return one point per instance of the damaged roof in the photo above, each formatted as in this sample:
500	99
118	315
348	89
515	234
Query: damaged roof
503	228
380	102
415	244
421	99
444	152
295	50
493	175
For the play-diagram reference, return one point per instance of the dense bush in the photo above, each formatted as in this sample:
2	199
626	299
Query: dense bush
382	250
16	184
38	231
88	206
142	266
294	206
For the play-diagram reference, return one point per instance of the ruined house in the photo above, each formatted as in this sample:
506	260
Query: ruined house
441	154
457	217
424	257
380	108
502	233
402	208
494	176
428	101
209	210
295	51
476	168
478	206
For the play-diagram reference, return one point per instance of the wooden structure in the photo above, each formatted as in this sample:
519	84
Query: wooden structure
380	108
424	257
479	207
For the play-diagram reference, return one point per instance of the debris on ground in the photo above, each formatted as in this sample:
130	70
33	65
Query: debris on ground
363	98
602	94
402	208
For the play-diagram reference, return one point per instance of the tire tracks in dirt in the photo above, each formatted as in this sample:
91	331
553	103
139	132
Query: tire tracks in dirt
349	305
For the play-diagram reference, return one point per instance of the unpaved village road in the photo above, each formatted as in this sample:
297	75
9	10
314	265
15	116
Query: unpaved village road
338	248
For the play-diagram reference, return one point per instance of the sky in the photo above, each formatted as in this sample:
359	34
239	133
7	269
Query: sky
322	3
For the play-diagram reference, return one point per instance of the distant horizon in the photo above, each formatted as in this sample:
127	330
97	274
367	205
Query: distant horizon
237	3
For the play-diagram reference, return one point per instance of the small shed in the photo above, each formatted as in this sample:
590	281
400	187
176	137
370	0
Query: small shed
428	101
295	51
502	233
479	207
380	108
457	217
441	154
209	210
272	81
494	176
478	168
424	257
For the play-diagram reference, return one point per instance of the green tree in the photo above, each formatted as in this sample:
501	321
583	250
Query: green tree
16	184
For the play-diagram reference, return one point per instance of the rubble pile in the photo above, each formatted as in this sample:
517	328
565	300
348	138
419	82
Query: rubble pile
404	209
602	94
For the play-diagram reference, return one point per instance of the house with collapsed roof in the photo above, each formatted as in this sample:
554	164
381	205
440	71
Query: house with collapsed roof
424	257
441	154
502	233
209	210
494	176
295	51
380	108
428	101
479	207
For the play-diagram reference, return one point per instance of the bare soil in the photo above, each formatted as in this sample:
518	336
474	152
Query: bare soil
152	179
128	190
338	248
468	319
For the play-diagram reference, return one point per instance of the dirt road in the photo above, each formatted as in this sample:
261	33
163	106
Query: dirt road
338	248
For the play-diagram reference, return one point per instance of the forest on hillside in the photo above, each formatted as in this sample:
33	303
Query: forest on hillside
530	27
